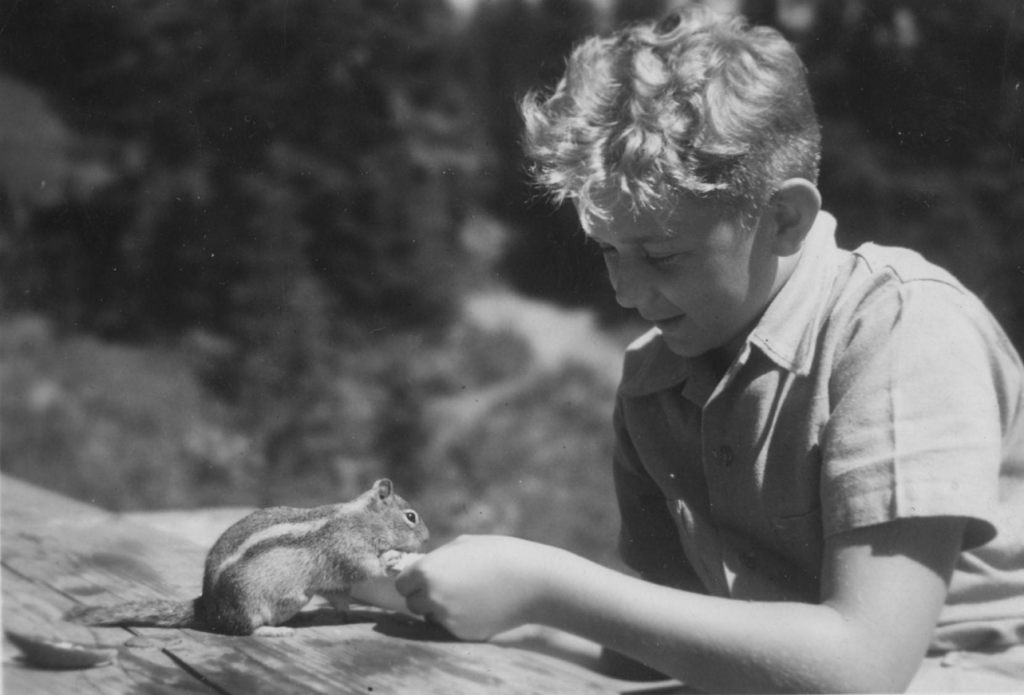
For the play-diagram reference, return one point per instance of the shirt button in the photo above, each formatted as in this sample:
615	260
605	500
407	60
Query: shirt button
725	455
749	561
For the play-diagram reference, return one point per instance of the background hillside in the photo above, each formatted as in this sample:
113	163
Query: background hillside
266	251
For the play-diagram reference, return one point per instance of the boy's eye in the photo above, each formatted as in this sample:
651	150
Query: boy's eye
664	259
654	259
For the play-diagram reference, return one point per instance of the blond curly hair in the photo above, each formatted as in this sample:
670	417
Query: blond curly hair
696	104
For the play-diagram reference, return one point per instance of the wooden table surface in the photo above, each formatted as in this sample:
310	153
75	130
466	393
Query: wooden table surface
57	552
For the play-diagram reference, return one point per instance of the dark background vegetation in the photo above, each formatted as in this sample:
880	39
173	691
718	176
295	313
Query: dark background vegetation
240	239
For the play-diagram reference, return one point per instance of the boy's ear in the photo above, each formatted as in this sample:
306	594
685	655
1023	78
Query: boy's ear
796	204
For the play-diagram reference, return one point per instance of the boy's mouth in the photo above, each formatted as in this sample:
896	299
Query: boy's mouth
668	323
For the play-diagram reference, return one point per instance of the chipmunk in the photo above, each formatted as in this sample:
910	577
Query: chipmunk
268	565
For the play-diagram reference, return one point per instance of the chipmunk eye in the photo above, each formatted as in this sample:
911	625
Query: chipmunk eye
668	23
411	517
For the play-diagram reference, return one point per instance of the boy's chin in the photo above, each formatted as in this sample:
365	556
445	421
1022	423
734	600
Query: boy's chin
691	348
683	347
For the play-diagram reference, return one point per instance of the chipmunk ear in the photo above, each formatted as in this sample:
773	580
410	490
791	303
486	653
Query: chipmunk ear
383	489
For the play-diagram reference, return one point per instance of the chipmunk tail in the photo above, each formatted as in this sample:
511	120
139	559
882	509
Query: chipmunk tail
154	613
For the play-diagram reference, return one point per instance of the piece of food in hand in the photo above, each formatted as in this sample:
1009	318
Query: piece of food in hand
56	653
390	557
381	591
395	561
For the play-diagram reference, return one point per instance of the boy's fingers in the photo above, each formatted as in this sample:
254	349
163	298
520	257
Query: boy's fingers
418	603
408	582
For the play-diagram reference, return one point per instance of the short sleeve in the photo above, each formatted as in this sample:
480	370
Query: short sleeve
915	423
648	538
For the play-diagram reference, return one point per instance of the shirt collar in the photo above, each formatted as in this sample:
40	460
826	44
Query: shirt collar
785	333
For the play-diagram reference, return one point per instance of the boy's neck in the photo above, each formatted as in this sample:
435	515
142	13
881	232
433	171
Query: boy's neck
721	358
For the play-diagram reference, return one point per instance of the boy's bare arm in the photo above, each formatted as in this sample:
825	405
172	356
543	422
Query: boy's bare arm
882	588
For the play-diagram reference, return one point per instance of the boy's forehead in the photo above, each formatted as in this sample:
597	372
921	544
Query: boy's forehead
625	223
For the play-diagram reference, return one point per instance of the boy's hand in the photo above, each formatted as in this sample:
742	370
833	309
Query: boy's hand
478	586
379	590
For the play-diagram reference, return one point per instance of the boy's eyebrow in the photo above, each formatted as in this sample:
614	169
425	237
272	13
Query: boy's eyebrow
642	240
656	239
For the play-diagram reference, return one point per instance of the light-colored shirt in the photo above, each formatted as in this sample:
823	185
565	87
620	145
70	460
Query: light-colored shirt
875	387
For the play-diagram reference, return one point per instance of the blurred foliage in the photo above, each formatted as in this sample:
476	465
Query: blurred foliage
514	47
478	436
282	179
249	143
532	464
923	115
242	280
117	425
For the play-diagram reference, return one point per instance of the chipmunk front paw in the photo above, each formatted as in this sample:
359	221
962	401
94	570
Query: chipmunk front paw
395	561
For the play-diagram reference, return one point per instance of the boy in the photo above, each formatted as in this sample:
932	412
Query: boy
819	454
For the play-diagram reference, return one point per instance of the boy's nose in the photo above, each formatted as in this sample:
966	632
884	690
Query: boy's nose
629	282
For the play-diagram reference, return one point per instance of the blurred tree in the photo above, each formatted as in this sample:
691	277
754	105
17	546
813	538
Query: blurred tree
510	48
923	116
325	102
289	173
